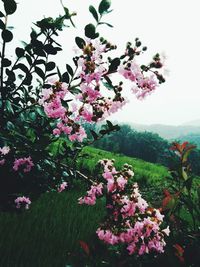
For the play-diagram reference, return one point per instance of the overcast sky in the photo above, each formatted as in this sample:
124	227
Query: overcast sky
169	26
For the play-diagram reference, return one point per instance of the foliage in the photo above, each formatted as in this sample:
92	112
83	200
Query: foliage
182	205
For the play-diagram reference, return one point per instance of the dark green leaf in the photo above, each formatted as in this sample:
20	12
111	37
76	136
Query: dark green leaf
50	66
1	14
90	31
109	123
11	76
7	36
108	86
93	12
65	77
40	61
9	107
29	59
108	24
10	126
10	6
40	72
39	52
104	6
69	69
94	134
103	132
2	25
80	42
75	91
28	79
50	49
40	111
114	64
19	52
6	62
59	74
22	67
51	74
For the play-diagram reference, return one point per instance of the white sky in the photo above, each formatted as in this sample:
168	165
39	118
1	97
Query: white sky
169	26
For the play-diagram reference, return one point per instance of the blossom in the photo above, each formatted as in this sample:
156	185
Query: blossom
62	187
129	220
26	163
166	231
2	162
4	150
22	201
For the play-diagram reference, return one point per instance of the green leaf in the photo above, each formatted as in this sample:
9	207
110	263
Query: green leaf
65	77
2	25
104	6
40	111
10	126
59	74
90	31
10	6
109	123
22	67
94	13
108	24
19	52
94	134
80	42
50	66
40	72
69	69
7	36
6	62
108	86
9	107
1	14
114	64
29	59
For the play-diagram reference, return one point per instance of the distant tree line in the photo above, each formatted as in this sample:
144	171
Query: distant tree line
144	145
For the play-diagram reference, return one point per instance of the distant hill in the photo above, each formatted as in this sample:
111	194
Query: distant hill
168	131
192	123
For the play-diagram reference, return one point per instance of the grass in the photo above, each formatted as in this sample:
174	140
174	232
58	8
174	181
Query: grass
144	171
44	235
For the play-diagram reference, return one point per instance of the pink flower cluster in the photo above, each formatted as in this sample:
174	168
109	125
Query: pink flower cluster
3	152
22	202
87	104
90	198
130	220
143	85
26	163
62	187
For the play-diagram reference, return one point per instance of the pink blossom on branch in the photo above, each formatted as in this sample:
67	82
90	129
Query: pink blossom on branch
129	220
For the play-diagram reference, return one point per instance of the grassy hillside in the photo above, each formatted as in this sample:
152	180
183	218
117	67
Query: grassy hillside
145	172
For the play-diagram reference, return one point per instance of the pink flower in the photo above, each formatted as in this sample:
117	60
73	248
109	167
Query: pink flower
62	187
2	162
25	162
22	201
121	182
4	150
166	231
